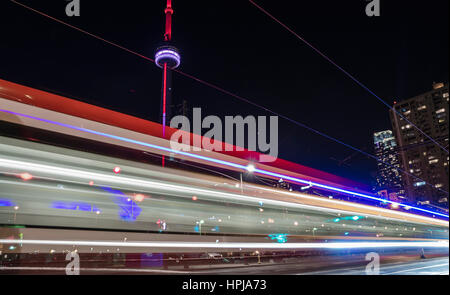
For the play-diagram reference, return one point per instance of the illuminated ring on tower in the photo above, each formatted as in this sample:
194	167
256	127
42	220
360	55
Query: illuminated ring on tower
167	55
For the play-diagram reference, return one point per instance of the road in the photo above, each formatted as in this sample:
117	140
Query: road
437	266
433	266
394	265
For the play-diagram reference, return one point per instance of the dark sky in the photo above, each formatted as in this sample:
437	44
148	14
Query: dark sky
232	44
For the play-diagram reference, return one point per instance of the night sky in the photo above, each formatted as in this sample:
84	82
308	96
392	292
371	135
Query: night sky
233	45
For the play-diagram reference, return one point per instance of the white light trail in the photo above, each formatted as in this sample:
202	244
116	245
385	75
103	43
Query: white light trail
351	204
116	179
234	245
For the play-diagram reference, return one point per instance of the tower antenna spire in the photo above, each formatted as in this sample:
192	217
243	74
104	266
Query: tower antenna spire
169	13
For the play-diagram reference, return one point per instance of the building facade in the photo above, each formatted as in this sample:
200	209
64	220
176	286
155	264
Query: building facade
422	158
389	182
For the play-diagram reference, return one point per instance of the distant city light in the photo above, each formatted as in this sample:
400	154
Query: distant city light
251	168
139	197
26	176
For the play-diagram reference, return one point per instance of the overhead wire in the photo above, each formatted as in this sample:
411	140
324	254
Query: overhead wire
346	73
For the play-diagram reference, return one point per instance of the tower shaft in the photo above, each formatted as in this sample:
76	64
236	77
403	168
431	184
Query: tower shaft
167	58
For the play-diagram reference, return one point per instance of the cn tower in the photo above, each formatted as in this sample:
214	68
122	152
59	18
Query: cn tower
167	57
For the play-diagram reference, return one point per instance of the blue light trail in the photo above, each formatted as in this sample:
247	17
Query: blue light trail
225	163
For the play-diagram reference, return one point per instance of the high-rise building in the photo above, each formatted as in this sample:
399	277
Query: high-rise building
389	179
426	161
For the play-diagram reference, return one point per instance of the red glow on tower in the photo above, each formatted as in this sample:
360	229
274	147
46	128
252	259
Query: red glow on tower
167	57
164	99
169	13
117	170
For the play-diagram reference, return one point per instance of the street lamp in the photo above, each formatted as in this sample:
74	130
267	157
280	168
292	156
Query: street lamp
259	256
200	225
251	168
15	212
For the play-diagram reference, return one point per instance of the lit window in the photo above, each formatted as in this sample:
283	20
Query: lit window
424	107
440	111
441	121
433	161
445	95
439	185
407	113
419	183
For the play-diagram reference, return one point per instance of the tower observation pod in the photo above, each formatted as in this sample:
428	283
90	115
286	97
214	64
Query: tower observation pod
167	57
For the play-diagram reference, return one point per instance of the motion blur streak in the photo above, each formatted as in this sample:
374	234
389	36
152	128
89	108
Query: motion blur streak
225	163
356	205
343	191
89	176
343	245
